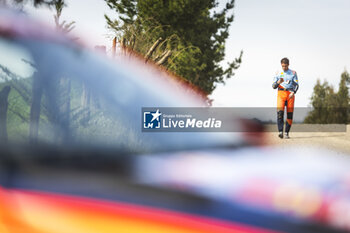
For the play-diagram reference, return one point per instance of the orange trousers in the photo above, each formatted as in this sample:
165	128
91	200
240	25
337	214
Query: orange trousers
283	101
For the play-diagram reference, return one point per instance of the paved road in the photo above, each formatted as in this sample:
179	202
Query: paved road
336	141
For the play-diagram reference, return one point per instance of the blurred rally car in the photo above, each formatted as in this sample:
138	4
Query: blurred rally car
73	157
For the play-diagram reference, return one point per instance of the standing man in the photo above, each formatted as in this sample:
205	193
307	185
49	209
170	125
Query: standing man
287	83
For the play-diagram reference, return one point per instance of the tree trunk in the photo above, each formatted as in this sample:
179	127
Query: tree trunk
114	47
4	93
35	108
65	88
164	58
85	103
152	49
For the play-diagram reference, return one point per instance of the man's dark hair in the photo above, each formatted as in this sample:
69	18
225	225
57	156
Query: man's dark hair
285	61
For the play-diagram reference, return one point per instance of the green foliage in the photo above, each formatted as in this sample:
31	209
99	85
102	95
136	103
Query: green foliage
64	26
330	106
102	127
192	36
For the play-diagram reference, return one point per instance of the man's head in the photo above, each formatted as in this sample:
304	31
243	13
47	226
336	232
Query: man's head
285	63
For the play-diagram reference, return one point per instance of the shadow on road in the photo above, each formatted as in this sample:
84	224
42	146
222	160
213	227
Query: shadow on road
316	136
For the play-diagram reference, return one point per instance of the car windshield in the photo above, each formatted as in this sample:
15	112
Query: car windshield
63	95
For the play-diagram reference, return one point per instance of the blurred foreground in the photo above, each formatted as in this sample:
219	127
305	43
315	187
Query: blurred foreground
73	157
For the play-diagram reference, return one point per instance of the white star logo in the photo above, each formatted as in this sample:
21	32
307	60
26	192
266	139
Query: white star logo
156	115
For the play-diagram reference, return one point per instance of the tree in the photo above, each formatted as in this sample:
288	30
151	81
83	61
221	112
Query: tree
4	93
330	106
343	98
62	26
64	89
185	36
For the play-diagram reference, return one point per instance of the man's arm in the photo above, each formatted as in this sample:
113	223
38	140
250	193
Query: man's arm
276	82
295	83
295	86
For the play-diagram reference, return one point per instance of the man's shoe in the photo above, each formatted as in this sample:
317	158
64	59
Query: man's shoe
286	135
280	134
